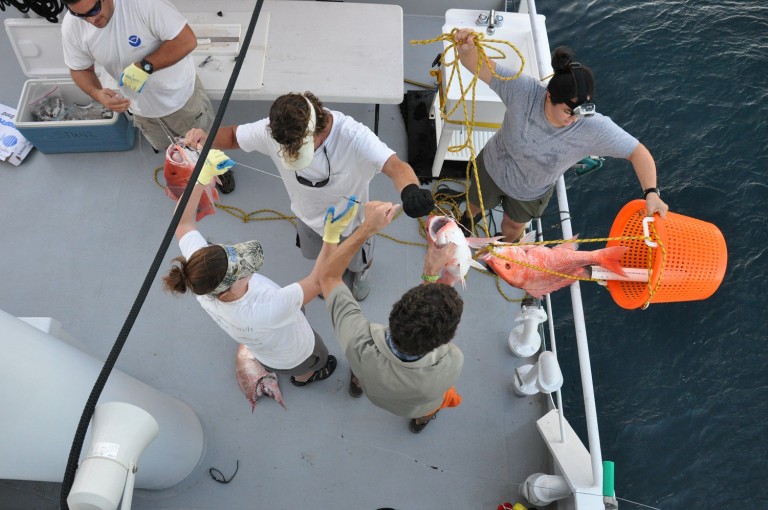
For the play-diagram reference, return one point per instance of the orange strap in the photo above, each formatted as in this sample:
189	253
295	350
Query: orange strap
451	398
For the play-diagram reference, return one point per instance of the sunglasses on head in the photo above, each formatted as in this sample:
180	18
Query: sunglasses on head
318	184
93	12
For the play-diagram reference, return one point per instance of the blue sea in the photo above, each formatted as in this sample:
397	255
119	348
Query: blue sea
681	388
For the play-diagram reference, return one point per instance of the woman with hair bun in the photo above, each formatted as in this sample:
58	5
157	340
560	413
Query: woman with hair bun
251	308
546	130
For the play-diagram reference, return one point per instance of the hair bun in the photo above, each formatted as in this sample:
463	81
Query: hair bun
562	58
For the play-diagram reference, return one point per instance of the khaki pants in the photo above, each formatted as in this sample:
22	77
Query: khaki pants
196	113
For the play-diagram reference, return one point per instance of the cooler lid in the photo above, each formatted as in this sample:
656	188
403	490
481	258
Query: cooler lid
37	45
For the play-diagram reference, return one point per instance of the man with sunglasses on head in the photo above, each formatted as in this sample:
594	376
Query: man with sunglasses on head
146	46
546	130
324	156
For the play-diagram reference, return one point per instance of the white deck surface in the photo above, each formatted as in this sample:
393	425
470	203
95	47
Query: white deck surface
79	232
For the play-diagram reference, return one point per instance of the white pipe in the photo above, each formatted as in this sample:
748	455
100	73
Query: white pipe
551	325
585	367
542	62
44	385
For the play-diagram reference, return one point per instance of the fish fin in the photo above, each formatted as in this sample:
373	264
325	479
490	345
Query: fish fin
477	265
529	237
610	257
479	242
569	244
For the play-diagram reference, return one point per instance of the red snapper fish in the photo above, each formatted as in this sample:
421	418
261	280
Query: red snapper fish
254	379
444	230
179	164
563	258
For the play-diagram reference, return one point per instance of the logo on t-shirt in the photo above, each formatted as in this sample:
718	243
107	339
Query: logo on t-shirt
134	40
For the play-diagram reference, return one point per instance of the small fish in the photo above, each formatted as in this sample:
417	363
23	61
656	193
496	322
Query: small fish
563	258
254	379
179	164
443	230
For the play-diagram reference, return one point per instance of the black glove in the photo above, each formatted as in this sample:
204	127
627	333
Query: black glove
417	201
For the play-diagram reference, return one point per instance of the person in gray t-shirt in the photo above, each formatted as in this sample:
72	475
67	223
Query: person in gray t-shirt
544	133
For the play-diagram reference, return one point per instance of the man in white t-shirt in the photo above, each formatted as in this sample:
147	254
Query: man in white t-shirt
146	46
323	157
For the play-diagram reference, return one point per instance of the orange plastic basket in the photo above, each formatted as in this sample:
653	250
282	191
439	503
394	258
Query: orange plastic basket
692	269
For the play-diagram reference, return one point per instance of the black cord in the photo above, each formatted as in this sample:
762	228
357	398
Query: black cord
90	406
48	9
219	476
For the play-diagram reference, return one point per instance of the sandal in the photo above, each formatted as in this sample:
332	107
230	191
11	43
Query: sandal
416	427
319	375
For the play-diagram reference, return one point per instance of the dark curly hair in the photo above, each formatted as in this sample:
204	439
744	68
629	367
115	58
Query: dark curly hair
570	79
425	318
288	118
201	274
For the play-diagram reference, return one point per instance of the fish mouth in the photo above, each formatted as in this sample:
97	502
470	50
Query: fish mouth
435	224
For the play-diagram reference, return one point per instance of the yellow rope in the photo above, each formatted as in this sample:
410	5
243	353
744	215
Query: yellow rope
483	45
239	213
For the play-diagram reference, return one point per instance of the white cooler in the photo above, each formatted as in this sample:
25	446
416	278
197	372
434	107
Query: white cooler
37	44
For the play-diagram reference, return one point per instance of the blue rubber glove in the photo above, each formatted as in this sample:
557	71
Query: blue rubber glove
335	225
217	163
134	78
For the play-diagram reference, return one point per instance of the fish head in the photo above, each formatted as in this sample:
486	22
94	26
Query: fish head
443	230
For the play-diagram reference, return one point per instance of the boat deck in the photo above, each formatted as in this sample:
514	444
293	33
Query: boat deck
79	233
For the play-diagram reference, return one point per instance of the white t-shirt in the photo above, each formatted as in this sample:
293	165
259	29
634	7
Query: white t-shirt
267	319
355	156
137	28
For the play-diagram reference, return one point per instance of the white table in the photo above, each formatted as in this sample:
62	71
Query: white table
342	52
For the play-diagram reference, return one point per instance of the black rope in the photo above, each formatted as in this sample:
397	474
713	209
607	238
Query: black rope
90	406
48	9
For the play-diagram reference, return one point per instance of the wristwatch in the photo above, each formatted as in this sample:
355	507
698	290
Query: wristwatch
146	65
651	190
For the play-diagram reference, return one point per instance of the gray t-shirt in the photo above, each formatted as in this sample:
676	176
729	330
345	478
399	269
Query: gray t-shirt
527	155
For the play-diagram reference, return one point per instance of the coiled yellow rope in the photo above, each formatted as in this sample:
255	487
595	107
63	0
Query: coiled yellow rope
482	44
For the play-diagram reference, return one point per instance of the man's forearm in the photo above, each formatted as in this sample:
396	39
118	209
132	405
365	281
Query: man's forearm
87	80
173	50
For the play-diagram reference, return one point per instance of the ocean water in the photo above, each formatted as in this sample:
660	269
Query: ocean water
680	387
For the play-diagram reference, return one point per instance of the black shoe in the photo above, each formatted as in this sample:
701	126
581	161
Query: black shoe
355	391
466	225
227	183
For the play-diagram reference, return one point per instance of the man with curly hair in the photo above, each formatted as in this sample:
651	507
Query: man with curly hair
320	154
409	367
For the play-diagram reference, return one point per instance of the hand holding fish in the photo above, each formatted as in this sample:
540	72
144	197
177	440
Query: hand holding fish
436	258
195	138
217	163
336	224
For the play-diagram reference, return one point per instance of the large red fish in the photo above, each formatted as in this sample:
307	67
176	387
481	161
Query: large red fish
179	164
564	259
254	379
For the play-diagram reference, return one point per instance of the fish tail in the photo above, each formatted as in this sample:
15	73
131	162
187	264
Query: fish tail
609	259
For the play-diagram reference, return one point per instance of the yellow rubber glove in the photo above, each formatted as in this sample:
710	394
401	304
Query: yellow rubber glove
217	163
335	225
134	78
